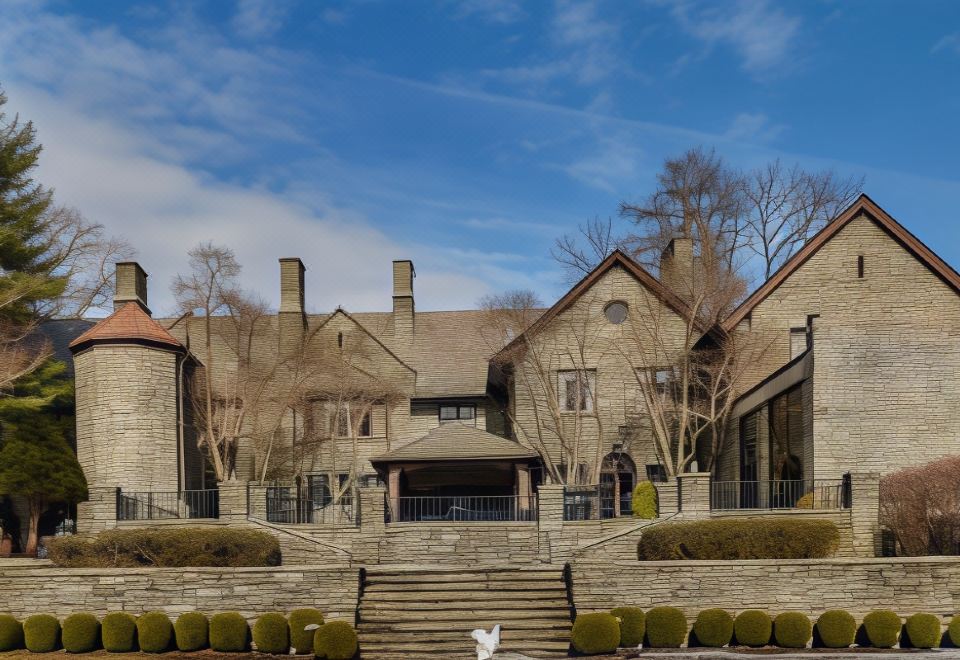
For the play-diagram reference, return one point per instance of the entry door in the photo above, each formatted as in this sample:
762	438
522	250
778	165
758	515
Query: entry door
748	461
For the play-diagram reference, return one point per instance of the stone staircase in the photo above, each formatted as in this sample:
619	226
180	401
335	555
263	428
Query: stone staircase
429	612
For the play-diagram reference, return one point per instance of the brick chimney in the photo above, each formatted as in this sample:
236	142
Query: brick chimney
292	315
403	307
676	267
131	281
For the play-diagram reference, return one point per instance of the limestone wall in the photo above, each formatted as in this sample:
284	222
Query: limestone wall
464	543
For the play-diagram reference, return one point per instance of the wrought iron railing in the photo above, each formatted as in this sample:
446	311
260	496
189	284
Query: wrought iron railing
596	502
188	504
283	505
817	494
465	508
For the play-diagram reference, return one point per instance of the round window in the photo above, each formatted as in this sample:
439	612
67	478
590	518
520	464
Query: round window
616	312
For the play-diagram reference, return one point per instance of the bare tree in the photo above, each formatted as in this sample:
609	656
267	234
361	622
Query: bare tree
579	254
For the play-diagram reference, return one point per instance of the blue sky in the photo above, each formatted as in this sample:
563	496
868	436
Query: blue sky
463	134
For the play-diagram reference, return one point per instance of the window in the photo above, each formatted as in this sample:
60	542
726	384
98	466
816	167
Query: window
616	312
662	378
656	473
346	421
577	390
860	266
457	413
798	342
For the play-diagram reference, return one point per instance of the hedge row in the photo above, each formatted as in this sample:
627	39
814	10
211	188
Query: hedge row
666	627
179	547
119	632
773	538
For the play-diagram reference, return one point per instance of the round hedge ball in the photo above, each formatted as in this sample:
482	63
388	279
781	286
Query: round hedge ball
271	634
713	628
154	631
191	631
229	632
632	625
337	640
81	633
666	628
752	628
118	631
953	630
882	628
41	633
597	632
302	640
11	633
837	629
922	631
792	630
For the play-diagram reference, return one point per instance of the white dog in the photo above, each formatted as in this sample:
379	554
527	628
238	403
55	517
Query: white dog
487	642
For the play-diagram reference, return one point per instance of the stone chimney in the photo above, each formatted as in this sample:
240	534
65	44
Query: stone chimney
292	315
131	281
403	307
676	267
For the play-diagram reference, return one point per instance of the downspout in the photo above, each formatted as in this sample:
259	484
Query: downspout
181	478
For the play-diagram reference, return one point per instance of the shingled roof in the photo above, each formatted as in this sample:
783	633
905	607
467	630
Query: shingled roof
129	323
456	441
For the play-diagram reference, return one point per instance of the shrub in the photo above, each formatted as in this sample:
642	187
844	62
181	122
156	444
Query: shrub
919	505
190	631
752	628
11	633
836	629
271	634
595	633
179	547
119	632
229	632
632	625
41	633
338	641
81	633
922	631
953	630
882	628
713	628
666	627
645	501
154	631
792	630
302	640
773	538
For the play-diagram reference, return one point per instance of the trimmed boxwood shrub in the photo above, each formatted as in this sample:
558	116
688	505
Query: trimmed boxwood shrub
41	633
337	640
81	633
179	547
229	632
271	634
792	630
191	631
593	633
836	629
645	501
882	628
118	631
752	628
953	630
773	538
154	632
302	640
713	628
922	631
666	628
11	633
632	625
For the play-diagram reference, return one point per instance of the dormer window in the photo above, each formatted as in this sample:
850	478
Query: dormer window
458	413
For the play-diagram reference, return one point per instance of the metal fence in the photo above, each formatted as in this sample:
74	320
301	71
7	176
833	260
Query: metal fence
285	505
817	494
597	502
465	508
187	504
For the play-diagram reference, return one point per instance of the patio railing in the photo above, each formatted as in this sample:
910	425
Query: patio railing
597	502
187	504
819	494
466	508
284	506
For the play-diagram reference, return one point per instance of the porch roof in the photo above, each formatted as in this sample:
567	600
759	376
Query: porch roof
456	441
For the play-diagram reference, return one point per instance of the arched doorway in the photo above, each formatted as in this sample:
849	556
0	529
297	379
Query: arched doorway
618	476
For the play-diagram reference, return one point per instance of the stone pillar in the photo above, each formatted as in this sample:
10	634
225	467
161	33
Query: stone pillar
694	489
865	513
291	317
99	512
372	524
404	309
393	487
233	500
549	519
523	488
667	497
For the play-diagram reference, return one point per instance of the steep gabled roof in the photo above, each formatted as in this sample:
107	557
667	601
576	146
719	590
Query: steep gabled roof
862	206
129	323
616	258
342	312
456	441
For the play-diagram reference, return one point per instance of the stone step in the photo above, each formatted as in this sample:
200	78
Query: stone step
371	648
406	577
512	629
501	615
466	585
461	596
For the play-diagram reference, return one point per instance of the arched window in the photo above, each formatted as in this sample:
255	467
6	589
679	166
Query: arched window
618	476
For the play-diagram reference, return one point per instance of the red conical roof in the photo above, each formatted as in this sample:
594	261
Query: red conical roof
128	322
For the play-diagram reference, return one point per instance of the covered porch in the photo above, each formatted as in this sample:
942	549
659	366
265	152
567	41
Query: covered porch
459	473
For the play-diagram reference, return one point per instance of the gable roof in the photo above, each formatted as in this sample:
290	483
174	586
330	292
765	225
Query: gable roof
616	258
456	441
862	206
342	312
131	323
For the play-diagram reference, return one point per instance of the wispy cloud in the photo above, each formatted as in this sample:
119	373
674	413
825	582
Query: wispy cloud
949	43
492	11
259	18
755	128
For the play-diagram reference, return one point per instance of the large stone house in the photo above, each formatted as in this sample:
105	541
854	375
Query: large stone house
454	420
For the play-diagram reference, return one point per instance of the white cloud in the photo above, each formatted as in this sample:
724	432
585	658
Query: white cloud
950	43
753	128
259	18
492	11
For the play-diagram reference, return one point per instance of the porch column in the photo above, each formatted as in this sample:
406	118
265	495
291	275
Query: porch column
523	487
865	513
393	489
694	493
98	513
